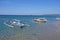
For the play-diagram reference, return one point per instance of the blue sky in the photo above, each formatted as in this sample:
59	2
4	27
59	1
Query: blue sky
29	7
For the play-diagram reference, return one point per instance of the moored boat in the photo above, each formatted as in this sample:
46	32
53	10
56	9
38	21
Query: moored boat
40	20
15	23
58	18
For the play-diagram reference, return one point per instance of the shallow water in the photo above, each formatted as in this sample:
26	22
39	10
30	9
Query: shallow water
36	31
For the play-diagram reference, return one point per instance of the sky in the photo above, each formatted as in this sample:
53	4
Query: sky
29	7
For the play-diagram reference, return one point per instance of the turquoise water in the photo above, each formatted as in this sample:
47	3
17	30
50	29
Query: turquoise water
36	31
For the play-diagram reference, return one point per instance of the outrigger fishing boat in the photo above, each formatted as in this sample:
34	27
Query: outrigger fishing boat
15	23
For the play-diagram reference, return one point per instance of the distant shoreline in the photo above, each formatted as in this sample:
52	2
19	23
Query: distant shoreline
35	15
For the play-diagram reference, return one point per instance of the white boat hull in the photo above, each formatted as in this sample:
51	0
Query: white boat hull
39	20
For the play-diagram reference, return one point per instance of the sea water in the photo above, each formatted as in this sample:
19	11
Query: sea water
35	31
